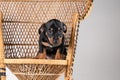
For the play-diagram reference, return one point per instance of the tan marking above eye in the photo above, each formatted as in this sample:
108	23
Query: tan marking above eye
51	29
59	28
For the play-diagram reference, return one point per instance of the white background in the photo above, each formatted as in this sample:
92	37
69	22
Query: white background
98	49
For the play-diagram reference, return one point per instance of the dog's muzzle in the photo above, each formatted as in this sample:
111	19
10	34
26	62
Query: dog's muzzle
55	39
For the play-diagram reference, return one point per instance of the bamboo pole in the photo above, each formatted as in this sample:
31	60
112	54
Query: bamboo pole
35	61
39	0
71	48
2	65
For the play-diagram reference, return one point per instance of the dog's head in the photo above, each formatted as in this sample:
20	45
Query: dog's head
54	30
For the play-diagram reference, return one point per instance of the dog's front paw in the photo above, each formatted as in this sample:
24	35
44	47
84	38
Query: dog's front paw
40	56
58	56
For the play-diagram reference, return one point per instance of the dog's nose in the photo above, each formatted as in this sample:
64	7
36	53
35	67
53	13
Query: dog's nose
55	41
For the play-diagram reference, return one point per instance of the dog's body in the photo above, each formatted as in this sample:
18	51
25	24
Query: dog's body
51	40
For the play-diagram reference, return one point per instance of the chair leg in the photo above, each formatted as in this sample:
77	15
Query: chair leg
70	56
2	65
67	76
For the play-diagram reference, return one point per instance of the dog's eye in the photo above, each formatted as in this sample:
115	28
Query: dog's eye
59	29
50	30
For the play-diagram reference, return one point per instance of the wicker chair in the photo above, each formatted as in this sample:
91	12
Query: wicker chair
19	23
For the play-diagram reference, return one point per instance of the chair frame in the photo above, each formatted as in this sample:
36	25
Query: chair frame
68	62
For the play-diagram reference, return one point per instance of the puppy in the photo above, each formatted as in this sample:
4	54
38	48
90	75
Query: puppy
51	40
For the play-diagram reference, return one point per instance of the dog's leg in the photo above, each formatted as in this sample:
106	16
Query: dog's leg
58	55
41	55
46	44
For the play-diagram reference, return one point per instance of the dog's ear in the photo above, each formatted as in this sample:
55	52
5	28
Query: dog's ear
64	28
42	28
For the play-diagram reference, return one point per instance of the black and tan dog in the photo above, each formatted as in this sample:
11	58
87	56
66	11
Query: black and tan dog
51	40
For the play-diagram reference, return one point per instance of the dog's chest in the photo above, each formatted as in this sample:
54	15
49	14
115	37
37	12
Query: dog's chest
51	51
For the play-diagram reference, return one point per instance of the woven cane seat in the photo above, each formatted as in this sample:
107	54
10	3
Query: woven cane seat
21	21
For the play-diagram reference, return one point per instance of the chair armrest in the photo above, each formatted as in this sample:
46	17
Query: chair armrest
72	38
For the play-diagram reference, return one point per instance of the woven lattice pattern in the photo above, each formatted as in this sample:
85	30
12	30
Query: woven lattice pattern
21	21
37	72
21	39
